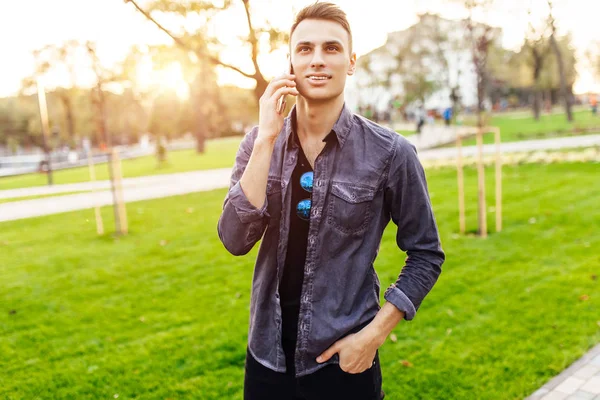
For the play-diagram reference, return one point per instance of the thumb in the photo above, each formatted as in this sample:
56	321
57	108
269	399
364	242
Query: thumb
327	354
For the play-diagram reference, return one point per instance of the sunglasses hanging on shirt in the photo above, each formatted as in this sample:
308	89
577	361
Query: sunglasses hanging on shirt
303	206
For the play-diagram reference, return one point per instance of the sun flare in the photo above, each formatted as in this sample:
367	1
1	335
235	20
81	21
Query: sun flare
167	78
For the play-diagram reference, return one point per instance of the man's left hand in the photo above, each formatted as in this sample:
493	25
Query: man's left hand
356	352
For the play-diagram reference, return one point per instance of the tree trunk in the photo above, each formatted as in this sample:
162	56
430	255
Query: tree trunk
537	103
200	142
563	79
200	129
68	107
261	86
538	63
481	86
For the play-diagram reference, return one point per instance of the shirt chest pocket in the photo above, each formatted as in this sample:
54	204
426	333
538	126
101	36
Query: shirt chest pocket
350	207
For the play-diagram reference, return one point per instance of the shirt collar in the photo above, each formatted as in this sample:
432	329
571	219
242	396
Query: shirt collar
340	129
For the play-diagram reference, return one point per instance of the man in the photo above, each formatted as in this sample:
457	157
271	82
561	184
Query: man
319	188
447	115
420	116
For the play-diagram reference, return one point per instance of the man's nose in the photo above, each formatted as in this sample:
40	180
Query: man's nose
317	60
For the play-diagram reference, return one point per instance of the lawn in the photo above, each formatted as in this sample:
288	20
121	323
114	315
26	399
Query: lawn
525	127
219	154
163	312
406	133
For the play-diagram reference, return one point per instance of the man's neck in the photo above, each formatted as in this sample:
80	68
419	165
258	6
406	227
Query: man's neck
315	120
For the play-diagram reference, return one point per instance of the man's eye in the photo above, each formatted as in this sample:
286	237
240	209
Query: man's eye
331	48
304	48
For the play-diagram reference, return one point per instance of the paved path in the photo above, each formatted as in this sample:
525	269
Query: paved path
516	147
102	185
581	381
160	186
156	186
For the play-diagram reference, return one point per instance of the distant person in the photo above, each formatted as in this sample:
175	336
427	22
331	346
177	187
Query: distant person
318	189
594	104
447	115
420	118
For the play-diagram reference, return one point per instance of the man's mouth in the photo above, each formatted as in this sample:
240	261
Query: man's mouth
319	77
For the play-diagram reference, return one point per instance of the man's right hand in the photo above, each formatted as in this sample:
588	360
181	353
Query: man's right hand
270	121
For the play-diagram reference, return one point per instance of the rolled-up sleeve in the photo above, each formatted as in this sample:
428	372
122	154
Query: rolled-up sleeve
409	205
241	224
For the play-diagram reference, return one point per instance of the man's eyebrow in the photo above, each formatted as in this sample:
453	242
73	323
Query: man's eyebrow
336	42
327	43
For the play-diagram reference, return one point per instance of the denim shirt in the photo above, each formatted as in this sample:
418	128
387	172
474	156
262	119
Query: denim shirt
366	177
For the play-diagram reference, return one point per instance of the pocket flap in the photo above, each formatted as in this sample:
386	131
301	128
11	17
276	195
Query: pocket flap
352	193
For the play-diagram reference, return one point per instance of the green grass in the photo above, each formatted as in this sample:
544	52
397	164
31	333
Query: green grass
87	317
518	128
219	154
406	133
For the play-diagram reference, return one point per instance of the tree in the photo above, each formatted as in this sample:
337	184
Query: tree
447	45
481	37
416	59
565	92
50	58
166	115
205	46
130	112
537	47
15	116
204	94
98	98
593	57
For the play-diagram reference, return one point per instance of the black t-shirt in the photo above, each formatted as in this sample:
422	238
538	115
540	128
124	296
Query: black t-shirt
290	288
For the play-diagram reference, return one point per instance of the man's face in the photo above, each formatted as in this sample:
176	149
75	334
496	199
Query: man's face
321	58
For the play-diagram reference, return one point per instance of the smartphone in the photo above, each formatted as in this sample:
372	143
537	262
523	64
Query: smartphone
281	103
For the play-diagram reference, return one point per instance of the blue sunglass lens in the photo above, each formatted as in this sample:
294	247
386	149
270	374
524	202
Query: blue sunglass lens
306	181
303	209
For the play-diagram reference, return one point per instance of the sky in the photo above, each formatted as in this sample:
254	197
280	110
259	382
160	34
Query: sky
26	25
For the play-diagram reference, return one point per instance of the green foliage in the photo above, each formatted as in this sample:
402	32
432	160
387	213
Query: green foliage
165	115
163	312
593	57
516	69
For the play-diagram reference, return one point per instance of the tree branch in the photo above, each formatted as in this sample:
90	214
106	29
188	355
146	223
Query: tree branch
252	38
212	59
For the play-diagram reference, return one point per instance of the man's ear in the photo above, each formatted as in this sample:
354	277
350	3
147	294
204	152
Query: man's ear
352	67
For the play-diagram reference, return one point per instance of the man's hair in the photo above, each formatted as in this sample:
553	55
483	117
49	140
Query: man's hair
327	12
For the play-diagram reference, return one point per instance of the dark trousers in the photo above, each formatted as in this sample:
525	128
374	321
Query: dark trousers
328	383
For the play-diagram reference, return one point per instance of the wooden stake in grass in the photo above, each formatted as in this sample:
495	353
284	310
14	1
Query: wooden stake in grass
496	131
461	183
120	210
99	223
481	185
